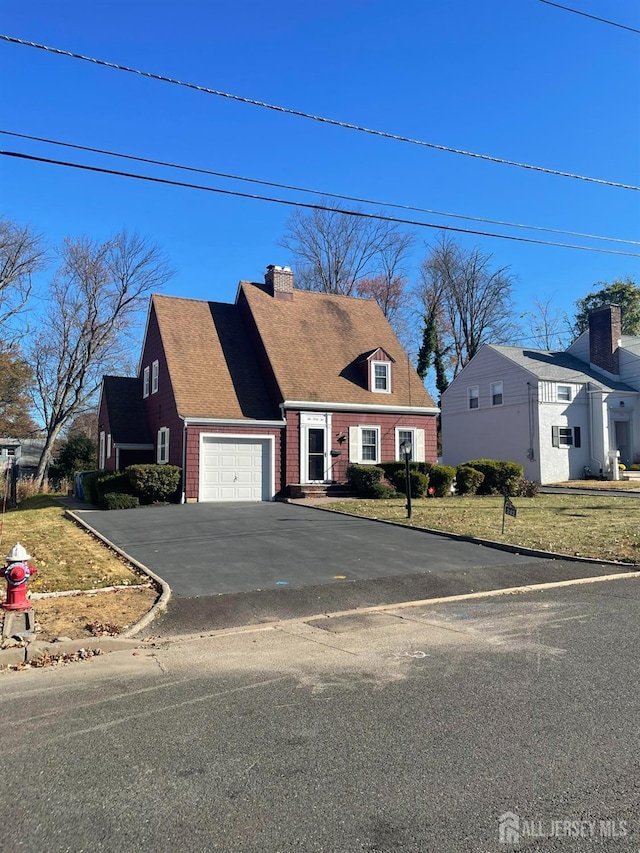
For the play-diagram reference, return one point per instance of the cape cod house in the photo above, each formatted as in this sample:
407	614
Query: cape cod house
269	396
558	414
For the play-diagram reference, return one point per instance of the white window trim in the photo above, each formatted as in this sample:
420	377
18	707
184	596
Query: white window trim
564	399
109	446
162	452
471	388
499	382
355	444
145	382
101	451
387	367
154	376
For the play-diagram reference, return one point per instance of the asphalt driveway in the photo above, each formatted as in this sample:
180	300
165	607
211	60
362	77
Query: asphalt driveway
212	549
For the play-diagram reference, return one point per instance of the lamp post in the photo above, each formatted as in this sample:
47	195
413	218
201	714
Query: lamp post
405	448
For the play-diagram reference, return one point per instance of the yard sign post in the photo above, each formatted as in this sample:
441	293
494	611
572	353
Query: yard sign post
507	509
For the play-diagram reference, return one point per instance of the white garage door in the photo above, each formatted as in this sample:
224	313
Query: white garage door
234	469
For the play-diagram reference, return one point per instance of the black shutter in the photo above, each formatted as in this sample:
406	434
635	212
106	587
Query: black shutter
576	436
555	436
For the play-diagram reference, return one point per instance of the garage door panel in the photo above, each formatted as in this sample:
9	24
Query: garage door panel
235	469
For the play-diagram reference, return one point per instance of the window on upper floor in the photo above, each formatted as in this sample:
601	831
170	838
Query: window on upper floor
145	382
163	446
564	393
473	396
154	377
496	393
381	376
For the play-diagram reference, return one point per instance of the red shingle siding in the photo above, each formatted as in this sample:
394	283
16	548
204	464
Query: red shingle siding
104	426
160	408
193	452
340	423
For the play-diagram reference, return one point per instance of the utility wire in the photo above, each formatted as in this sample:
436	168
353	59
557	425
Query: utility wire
301	114
301	204
593	17
340	196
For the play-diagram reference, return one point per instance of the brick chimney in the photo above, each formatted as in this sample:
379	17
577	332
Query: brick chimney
605	331
279	281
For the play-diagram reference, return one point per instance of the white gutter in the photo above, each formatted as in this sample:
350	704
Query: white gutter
315	406
183	496
232	422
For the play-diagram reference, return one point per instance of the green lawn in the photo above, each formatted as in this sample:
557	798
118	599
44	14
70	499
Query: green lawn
601	527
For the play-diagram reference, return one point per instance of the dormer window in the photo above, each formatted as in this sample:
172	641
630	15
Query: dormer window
381	377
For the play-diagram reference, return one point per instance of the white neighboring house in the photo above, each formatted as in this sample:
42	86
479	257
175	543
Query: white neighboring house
555	413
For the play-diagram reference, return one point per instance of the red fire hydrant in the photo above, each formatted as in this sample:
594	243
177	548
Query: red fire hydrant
17	573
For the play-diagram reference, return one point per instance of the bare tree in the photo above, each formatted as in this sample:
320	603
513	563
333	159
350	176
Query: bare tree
92	303
22	253
471	302
334	251
547	327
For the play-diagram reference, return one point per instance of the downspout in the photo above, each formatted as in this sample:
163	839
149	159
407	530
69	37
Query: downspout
591	448
183	496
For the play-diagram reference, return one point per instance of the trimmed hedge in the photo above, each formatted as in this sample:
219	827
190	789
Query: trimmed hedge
419	483
120	500
380	491
500	477
441	478
363	478
468	480
153	482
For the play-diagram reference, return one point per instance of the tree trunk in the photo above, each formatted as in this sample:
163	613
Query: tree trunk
45	457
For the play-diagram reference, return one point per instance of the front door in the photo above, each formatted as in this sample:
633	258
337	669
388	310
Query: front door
622	441
316	454
315	429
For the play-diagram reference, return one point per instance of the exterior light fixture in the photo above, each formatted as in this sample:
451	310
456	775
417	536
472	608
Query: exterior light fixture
405	449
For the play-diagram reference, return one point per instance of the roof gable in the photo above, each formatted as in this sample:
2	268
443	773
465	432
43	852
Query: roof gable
315	342
212	365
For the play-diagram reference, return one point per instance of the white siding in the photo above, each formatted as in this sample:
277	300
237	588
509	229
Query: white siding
495	432
580	347
558	464
630	368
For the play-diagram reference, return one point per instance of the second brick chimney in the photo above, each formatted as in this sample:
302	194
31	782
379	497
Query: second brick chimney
605	332
279	281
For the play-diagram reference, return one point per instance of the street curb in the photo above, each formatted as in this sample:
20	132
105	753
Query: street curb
399	605
488	543
33	650
165	596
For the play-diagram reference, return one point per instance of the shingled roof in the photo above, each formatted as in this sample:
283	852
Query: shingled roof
315	341
126	412
212	365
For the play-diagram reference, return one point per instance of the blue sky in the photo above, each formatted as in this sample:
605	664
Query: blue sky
516	79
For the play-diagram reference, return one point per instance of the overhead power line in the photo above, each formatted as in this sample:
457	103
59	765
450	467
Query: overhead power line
323	193
593	17
301	204
301	114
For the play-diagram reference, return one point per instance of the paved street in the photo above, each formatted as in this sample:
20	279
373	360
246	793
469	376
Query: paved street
398	732
288	560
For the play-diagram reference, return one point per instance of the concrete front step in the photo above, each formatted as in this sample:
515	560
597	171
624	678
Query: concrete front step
319	490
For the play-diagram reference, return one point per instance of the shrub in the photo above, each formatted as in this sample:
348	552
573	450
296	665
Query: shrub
119	500
90	487
419	483
78	454
635	466
153	482
528	488
362	478
380	491
391	469
500	477
441	478
468	480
